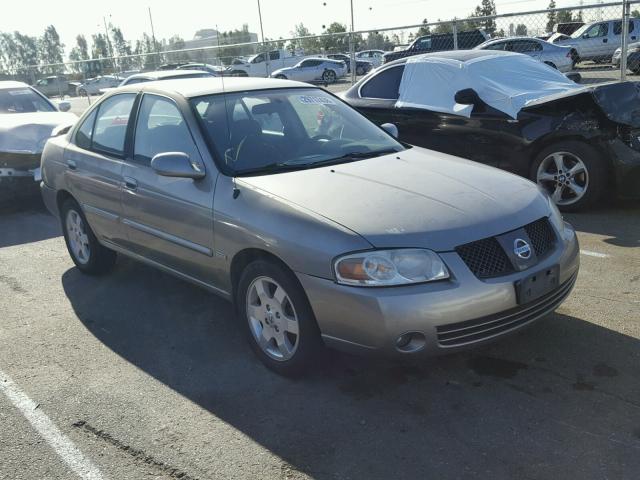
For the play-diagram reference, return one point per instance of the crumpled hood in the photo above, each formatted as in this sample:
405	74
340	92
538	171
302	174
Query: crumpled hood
421	199
619	101
28	132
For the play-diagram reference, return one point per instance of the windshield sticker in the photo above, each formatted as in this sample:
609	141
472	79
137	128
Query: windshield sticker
311	100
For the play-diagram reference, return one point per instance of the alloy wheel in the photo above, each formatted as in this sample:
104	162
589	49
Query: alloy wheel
78	238
564	176
272	318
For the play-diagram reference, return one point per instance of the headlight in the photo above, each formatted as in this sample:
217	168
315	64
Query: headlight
378	268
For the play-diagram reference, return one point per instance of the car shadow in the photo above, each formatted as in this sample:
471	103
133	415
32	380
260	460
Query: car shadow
562	385
617	220
26	221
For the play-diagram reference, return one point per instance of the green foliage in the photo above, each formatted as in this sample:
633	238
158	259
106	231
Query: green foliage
521	30
552	18
50	49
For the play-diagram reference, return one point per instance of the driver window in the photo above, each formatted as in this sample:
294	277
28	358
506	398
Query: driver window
161	128
599	30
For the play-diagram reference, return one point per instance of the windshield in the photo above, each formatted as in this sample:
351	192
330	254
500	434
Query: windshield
578	33
23	100
276	130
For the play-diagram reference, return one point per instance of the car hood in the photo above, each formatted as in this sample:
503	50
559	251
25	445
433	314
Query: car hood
619	101
28	132
416	198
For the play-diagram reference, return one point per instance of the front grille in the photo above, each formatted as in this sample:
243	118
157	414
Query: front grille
542	236
485	258
470	331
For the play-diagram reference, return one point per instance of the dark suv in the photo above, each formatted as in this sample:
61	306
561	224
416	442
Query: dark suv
439	42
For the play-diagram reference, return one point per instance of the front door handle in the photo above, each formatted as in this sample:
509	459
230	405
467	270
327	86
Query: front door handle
72	164
130	183
605	40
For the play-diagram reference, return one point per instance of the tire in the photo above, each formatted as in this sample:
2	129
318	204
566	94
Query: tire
275	322
551	64
359	71
239	73
82	92
329	76
575	58
95	259
573	173
281	77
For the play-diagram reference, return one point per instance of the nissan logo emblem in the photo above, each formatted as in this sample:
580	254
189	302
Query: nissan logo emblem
522	249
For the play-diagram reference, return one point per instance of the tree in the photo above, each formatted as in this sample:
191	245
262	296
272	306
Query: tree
9	60
424	30
308	45
521	30
335	43
121	47
485	9
551	16
176	43
50	49
99	49
377	41
79	53
564	17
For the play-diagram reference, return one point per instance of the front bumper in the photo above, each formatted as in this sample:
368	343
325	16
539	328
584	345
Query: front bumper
371	319
17	172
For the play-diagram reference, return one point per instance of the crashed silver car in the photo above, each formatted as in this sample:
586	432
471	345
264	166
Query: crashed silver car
320	226
27	120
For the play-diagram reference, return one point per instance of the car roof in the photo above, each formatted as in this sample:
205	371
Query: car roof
196	87
160	74
460	55
6	84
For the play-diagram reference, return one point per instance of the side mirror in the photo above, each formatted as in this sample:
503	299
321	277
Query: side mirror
176	164
468	96
64	106
391	129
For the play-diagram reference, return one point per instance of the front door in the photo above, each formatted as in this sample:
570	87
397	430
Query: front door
168	220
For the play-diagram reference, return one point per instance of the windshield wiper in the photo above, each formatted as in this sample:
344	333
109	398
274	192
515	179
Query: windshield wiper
270	167
352	156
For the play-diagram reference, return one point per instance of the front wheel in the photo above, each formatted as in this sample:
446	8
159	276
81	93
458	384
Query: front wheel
83	246
329	76
572	173
277	318
281	76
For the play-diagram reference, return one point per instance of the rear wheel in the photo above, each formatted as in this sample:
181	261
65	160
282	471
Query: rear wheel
281	77
572	173
329	76
359	71
277	318
86	252
239	73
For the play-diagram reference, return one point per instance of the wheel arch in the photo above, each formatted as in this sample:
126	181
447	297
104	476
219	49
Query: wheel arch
248	255
548	140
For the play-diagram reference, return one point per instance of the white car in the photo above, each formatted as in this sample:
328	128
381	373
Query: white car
313	70
160	75
376	57
92	86
556	56
27	120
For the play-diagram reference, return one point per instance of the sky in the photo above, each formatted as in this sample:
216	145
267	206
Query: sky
72	17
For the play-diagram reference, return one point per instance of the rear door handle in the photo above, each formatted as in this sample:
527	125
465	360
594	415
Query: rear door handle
605	40
72	164
130	183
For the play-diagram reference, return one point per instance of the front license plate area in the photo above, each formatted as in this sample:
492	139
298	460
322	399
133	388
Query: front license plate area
537	284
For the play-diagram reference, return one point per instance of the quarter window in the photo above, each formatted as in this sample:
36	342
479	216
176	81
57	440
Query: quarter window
385	85
85	132
161	128
111	124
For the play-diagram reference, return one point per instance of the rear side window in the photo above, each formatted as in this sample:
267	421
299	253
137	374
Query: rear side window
523	46
85	132
495	46
111	124
385	85
617	27
423	44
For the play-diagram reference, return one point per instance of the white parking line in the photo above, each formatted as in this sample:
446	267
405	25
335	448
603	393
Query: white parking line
589	253
45	427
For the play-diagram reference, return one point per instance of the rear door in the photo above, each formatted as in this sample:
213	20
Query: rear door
94	160
168	220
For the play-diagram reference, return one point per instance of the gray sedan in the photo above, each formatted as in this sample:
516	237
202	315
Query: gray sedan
317	224
556	56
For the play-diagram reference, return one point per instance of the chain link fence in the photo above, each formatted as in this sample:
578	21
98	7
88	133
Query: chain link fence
588	39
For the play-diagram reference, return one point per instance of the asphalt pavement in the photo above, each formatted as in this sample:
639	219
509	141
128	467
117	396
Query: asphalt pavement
147	376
